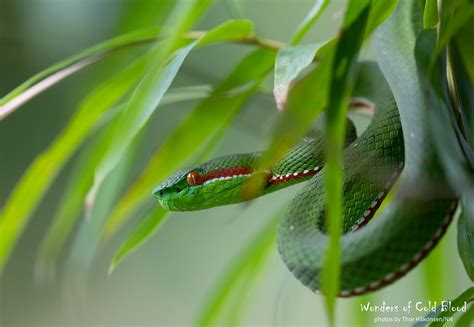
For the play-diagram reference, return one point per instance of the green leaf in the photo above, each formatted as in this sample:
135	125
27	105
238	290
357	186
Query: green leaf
142	104
81	180
136	15
353	11
467	318
148	95
465	298
466	235
38	177
309	20
303	105
85	244
434	272
291	60
232	30
452	156
346	54
454	15
379	12
332	77
50	76
212	115
70	206
430	15
245	268
148	226
302	108
465	45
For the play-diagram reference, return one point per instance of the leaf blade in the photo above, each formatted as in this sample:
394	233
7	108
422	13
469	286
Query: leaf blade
233	30
35	181
252	256
132	120
148	226
313	15
465	233
430	14
199	125
290	62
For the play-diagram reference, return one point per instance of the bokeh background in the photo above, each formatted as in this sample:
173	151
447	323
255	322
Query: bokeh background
168	280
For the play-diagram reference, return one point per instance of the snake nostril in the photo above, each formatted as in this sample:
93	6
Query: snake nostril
178	190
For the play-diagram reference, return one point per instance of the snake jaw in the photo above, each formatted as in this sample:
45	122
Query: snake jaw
202	187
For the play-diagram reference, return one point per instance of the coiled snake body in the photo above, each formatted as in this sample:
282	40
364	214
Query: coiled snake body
373	254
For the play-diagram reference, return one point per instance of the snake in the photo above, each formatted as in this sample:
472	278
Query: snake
379	244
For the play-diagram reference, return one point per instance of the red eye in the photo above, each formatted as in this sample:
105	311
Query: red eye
194	179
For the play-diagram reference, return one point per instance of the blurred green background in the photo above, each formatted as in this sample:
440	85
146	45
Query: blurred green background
167	281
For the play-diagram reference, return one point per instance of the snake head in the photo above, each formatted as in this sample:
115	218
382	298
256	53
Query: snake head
215	183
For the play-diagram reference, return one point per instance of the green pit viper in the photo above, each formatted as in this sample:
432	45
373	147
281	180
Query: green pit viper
395	146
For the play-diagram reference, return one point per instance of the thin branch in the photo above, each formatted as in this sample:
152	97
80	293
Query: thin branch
45	79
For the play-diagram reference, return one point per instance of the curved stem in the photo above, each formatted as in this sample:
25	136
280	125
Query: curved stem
56	73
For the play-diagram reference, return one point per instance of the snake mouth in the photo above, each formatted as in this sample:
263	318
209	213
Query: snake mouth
164	204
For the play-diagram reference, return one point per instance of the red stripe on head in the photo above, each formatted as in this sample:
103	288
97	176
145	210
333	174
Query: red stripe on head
226	172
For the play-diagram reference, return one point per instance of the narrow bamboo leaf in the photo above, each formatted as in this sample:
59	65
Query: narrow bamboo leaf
186	93
379	12
332	77
86	241
430	15
309	20
302	108
299	114
81	180
148	94
210	116
40	86
466	318
36	180
441	316
233	30
252	255
353	11
79	61
148	226
290	62
70	206
453	16
142	104
135	15
466	47
466	235
451	154
434	271
346	54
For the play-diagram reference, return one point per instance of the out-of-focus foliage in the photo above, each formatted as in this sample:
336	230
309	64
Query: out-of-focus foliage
465	318
192	135
194	131
240	278
308	79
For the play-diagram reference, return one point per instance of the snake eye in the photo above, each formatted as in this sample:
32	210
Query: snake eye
194	179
